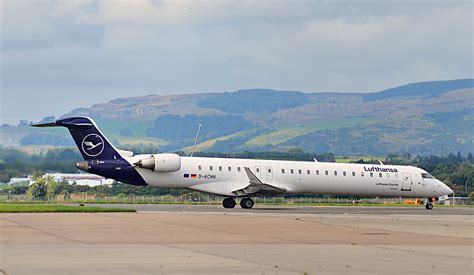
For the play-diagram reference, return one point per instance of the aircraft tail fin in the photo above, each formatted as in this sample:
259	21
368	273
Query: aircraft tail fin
92	144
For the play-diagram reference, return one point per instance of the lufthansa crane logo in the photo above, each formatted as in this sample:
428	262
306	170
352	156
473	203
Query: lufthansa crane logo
92	145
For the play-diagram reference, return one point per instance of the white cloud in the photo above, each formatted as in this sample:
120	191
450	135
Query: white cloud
75	49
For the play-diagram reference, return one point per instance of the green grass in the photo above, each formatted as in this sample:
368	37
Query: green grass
44	208
211	142
287	133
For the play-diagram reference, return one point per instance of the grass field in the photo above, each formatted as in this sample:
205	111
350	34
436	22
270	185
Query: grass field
43	208
285	134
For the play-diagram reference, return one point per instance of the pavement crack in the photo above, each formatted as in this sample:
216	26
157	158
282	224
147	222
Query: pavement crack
417	251
45	232
232	258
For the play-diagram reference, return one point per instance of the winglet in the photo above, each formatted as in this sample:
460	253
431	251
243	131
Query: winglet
381	163
315	160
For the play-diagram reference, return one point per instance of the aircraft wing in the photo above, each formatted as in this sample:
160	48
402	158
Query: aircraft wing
257	187
239	189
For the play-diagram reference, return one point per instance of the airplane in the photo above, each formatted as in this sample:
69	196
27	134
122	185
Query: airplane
246	178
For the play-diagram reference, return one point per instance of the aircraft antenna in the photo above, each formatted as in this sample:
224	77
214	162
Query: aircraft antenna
196	139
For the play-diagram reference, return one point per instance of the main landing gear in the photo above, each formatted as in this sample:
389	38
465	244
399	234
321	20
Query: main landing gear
228	203
245	203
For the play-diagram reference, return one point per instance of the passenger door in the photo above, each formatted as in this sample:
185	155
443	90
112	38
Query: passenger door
407	182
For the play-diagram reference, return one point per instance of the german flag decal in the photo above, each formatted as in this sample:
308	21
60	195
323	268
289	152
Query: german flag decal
193	176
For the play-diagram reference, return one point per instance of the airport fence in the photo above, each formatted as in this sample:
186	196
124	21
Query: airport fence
196	198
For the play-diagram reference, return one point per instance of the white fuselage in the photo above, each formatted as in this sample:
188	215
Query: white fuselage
221	176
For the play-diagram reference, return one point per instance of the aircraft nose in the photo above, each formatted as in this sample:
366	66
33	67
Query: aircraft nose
447	190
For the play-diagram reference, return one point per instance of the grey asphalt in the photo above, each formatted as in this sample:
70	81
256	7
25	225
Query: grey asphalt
370	210
207	239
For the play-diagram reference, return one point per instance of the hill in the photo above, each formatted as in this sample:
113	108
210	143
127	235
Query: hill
424	118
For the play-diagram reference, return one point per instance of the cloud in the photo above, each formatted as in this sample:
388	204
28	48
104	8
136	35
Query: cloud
90	51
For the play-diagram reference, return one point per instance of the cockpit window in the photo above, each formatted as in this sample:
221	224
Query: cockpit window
426	176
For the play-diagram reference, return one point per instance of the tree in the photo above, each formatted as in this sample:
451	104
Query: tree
37	191
43	187
52	187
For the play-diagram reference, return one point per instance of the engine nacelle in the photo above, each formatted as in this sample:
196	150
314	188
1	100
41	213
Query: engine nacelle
161	163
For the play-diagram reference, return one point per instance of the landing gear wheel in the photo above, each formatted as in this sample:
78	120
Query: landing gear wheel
429	206
228	203
246	203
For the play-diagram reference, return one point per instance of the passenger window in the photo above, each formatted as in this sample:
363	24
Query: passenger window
199	167
308	172
326	172
238	169
380	175
269	170
317	172
210	168
371	174
353	174
258	170
283	171
344	173
362	174
291	171
220	168
299	171
335	173
229	169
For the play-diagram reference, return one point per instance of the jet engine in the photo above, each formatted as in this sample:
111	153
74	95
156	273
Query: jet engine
160	163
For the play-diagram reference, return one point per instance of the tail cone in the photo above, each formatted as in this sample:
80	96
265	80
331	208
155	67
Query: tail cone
82	165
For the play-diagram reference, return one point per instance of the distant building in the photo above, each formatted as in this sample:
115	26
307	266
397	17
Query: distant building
79	179
20	181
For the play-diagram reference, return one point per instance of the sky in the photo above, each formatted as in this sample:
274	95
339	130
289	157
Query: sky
56	56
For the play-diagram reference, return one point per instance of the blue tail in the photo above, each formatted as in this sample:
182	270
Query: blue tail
101	157
91	142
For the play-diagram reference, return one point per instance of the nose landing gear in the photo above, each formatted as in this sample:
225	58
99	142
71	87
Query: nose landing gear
429	203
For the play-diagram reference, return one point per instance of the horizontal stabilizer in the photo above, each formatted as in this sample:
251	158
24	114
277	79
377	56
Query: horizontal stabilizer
49	124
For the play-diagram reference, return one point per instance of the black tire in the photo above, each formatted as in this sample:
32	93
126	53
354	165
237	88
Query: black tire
246	203
429	206
228	203
242	202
